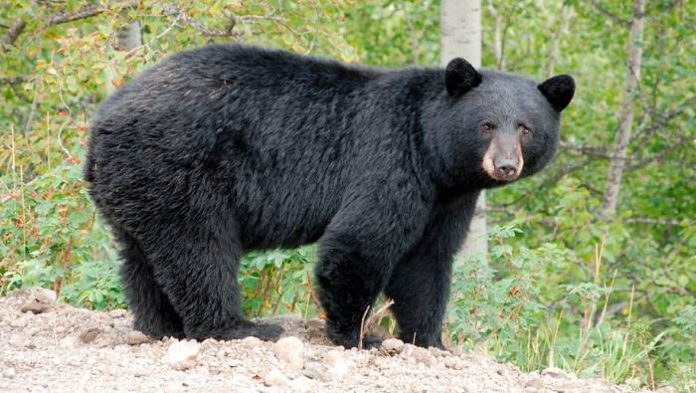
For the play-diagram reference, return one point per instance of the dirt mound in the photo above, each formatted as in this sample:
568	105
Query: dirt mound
52	347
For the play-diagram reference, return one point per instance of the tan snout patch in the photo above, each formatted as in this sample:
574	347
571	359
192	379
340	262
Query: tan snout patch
520	159
488	165
490	156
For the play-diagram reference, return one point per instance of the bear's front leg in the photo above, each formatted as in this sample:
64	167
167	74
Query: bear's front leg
420	281
356	256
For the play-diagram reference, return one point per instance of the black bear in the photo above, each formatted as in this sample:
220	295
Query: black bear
231	147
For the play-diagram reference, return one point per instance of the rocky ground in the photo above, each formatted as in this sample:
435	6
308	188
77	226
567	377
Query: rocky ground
51	347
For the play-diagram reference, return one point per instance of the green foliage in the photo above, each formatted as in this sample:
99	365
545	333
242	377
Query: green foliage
560	287
278	281
500	306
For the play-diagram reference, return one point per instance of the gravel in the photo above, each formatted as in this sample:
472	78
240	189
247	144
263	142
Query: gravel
48	346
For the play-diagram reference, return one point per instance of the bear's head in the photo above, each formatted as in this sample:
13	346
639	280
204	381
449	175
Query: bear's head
492	128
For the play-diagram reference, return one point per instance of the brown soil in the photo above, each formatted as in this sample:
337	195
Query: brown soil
52	347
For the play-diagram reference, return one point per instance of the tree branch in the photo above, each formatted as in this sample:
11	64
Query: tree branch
14	31
594	151
610	15
653	221
657	157
64	17
13	80
173	10
87	12
663	8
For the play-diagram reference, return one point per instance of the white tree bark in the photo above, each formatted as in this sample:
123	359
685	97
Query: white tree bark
497	36
130	37
554	52
623	137
460	22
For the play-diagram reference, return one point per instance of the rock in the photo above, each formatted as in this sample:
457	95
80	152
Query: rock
337	364
534	382
20	322
407	351
119	313
136	337
302	384
454	363
290	352
18	340
9	373
315	328
251	342
174	387
32	331
555	372
40	300
437	352
182	355
35	307
421	355
275	377
68	342
89	335
392	346
43	295
318	372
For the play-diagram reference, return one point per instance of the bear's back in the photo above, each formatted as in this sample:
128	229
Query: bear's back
239	61
227	113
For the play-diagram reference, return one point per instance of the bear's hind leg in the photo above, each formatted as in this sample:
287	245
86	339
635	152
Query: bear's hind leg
196	261
154	314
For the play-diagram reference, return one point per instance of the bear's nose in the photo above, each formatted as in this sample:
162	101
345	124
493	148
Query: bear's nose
506	169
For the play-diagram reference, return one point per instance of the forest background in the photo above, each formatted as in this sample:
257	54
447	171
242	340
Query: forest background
591	264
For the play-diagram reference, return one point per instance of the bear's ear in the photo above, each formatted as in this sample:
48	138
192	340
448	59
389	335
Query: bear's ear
558	91
460	77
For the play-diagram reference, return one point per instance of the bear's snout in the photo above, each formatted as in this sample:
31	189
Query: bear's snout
506	169
503	160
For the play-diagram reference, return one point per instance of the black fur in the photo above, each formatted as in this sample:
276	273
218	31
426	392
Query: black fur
228	148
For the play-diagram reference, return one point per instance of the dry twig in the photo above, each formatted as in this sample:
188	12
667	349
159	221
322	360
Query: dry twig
367	321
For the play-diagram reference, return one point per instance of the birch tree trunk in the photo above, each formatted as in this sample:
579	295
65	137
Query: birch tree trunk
130	37
623	137
460	22
554	52
498	28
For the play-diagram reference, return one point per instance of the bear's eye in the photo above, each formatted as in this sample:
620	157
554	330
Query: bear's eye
524	130
487	127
